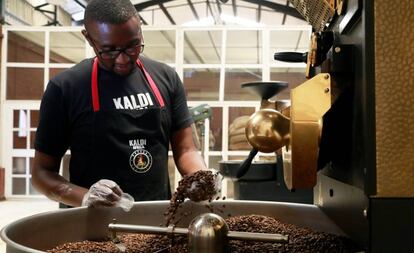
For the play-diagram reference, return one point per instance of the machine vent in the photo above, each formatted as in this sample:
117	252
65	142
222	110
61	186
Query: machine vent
317	12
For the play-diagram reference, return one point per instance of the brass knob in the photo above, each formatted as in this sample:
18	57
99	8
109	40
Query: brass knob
268	130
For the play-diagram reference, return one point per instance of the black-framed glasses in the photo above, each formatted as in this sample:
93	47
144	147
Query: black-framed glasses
133	50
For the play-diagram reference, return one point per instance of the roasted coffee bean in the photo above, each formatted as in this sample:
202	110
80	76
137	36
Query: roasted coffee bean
300	240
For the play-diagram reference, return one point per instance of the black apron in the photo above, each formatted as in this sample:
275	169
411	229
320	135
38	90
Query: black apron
129	146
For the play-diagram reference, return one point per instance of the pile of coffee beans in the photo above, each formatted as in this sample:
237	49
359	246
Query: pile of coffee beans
197	187
201	186
85	246
136	243
300	240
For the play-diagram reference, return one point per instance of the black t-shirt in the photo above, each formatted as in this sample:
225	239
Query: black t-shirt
65	119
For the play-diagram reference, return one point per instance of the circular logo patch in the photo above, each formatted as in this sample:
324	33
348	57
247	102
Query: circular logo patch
140	161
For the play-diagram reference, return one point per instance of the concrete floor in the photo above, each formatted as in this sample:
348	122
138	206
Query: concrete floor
14	209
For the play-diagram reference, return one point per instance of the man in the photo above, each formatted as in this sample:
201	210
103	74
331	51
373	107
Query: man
117	113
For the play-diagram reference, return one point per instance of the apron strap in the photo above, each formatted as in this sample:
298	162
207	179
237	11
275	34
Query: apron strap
94	82
153	86
95	92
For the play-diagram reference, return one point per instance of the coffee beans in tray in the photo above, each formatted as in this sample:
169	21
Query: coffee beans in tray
201	186
300	240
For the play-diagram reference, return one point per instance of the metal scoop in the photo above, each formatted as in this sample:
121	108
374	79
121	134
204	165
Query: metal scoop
207	233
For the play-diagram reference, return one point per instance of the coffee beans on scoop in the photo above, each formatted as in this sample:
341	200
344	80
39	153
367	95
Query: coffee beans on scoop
198	186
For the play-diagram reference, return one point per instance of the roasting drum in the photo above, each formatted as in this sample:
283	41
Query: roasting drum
45	231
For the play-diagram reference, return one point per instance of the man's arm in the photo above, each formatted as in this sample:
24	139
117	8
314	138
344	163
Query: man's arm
186	155
46	179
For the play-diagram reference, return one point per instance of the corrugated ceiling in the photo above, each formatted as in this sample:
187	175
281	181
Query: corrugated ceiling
167	12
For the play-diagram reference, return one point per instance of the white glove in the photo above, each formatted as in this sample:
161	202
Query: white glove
103	193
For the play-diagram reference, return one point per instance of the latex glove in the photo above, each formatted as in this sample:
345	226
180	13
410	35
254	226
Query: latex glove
205	187
103	193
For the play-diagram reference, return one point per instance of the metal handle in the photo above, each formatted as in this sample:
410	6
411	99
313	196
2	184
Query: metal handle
291	57
146	229
260	237
244	167
232	235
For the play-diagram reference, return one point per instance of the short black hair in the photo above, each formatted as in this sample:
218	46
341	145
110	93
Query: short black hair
110	11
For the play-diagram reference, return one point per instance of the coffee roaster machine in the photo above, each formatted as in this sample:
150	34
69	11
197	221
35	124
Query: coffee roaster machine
347	132
339	135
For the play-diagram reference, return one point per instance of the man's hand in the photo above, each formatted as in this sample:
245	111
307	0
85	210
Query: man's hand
103	193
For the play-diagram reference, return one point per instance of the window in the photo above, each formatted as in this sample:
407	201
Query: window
212	62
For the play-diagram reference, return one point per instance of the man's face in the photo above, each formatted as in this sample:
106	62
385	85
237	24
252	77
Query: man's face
116	45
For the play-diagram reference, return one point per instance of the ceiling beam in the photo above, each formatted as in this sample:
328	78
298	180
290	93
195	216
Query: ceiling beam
167	14
234	5
208	6
192	48
278	8
218	6
186	39
284	14
216	50
258	37
143	21
216	17
193	9
54	13
259	13
284	9
297	43
265	3
146	4
79	3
